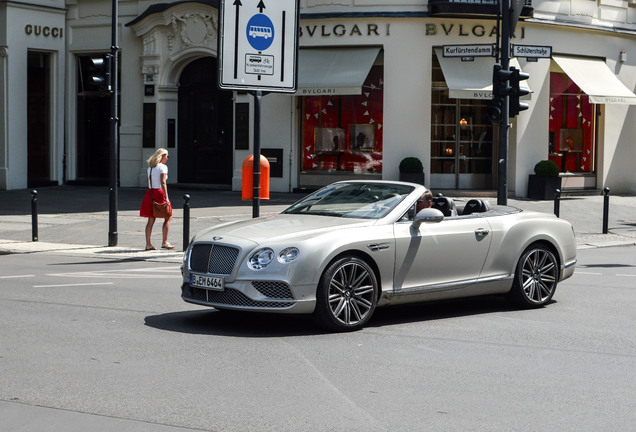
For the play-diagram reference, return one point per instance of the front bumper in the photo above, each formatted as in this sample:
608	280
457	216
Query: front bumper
257	296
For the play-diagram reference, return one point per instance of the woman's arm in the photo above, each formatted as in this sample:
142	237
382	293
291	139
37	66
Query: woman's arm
164	186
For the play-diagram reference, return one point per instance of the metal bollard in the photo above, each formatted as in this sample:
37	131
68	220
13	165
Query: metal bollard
34	215
606	192
557	201
186	221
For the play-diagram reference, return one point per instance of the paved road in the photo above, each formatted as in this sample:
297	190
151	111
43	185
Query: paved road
98	344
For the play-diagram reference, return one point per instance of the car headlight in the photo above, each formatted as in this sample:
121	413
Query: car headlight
260	259
287	255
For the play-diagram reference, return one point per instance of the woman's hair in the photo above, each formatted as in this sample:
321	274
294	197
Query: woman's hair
154	160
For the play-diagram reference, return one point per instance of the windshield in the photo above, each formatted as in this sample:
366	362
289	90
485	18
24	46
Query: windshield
352	200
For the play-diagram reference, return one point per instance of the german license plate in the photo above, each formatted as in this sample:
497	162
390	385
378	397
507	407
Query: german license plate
207	282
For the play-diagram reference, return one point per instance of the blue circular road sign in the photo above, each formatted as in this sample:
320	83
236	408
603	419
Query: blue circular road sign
260	32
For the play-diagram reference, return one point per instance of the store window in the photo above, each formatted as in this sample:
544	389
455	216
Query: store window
344	133
572	126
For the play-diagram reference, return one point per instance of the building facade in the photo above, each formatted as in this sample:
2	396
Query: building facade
377	82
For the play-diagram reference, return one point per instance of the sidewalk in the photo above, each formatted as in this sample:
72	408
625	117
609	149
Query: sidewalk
75	219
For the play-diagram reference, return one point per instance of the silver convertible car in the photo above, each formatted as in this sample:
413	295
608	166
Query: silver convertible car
356	245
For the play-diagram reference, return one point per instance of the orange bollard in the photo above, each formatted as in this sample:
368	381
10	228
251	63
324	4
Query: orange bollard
247	192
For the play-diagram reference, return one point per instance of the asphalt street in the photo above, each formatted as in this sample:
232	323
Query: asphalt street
89	344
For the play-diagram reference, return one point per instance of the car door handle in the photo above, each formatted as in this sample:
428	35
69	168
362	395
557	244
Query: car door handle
481	232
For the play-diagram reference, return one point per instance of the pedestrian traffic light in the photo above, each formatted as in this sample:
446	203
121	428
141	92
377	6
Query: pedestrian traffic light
500	82
516	106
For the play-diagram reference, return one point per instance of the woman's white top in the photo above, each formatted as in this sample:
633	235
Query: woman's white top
156	175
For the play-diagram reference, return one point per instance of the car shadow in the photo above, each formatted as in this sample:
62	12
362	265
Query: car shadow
234	323
264	325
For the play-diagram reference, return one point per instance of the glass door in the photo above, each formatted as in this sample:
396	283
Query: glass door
462	140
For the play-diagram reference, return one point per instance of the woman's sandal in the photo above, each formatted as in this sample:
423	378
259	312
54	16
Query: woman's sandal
167	246
151	248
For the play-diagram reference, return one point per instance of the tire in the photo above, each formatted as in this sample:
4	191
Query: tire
347	295
536	277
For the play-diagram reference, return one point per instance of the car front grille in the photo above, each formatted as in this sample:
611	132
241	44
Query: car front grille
212	258
229	297
278	290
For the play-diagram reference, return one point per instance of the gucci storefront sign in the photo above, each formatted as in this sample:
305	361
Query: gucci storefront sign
45	31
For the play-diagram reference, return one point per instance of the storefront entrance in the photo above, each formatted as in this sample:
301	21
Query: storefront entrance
205	126
462	139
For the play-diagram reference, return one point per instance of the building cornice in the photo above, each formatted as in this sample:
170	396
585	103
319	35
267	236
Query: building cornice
583	26
31	6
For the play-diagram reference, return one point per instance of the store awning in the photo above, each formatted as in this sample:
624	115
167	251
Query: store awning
470	80
596	80
333	71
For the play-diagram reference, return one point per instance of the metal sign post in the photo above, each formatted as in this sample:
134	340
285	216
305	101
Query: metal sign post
502	172
114	138
258	53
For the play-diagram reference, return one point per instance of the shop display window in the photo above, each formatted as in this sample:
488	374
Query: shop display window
461	135
344	133
572	126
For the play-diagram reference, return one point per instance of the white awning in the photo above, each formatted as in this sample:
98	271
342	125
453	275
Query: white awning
473	79
333	71
596	80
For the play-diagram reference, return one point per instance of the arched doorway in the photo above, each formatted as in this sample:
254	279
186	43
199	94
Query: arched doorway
205	126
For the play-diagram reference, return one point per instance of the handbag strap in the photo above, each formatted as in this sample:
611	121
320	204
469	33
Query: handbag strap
150	178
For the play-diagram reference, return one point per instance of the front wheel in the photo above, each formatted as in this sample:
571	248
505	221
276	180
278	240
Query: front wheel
536	277
347	295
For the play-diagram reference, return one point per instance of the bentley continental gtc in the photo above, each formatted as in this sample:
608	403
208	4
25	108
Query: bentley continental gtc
353	246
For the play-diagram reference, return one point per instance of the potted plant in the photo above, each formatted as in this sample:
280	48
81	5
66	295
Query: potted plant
544	181
412	170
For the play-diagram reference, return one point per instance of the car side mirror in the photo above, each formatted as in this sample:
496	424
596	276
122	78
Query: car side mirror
427	215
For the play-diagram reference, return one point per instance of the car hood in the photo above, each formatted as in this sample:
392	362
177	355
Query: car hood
279	227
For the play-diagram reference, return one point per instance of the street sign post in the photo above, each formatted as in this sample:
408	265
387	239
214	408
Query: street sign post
258	45
258	53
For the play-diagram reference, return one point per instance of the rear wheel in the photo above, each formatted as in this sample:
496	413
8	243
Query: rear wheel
536	277
347	295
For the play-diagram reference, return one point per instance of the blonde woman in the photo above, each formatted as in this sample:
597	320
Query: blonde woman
157	191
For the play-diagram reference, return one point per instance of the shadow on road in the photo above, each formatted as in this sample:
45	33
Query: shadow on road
264	325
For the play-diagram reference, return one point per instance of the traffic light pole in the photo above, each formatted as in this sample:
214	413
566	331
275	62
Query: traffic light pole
502	171
114	122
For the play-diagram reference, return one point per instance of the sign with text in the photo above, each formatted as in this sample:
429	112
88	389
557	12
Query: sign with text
477	50
531	51
258	45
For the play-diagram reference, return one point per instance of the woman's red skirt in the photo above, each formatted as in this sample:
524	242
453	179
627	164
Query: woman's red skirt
146	204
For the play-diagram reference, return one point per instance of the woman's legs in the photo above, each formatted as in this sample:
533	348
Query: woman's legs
149	225
165	229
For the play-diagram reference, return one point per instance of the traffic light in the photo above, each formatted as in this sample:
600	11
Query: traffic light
95	73
500	79
516	106
493	111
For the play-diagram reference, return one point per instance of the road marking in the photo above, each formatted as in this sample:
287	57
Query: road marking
172	272
587	273
626	275
70	285
16	276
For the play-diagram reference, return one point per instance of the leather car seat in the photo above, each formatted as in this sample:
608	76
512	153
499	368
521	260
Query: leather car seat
445	205
476	206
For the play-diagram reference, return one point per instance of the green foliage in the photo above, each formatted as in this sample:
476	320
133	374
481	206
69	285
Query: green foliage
411	165
546	168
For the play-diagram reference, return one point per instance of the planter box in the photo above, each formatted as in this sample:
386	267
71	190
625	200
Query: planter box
412	178
542	187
